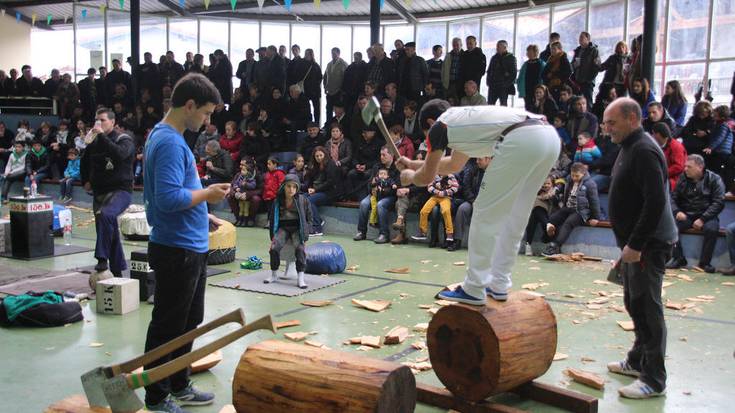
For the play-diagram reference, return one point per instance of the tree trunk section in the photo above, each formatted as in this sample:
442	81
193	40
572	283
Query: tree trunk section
480	351
276	376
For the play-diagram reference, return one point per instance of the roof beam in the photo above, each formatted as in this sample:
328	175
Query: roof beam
181	11
29	3
359	18
402	11
40	23
226	8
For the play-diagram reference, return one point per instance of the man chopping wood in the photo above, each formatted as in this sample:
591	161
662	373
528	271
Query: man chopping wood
523	150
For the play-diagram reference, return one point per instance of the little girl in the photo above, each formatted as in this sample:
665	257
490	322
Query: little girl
272	180
245	194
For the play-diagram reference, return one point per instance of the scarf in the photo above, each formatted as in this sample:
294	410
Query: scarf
334	151
39	153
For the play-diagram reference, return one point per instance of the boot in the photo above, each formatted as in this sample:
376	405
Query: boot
301	281
272	278
454	246
400	224
290	269
400	238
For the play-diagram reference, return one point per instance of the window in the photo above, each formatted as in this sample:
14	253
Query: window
428	35
635	24
688	29
118	37
689	75
606	25
182	38
243	36
361	40
339	36
723	28
395	32
721	74
569	21
274	34
307	37
53	49
464	28
532	28
496	28
152	36
212	36
90	49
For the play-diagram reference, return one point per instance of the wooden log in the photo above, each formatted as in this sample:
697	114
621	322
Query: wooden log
276	376
440	397
76	404
480	351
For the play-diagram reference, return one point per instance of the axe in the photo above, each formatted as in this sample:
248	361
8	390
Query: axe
371	113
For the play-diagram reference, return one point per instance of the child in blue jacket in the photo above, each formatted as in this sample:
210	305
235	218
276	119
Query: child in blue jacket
71	175
587	151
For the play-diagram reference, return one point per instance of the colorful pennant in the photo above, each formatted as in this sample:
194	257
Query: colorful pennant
260	4
2	11
346	4
17	17
287	3
206	4
122	4
317	3
33	19
102	8
48	20
84	14
182	3
234	4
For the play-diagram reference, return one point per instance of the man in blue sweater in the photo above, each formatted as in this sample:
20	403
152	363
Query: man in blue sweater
179	240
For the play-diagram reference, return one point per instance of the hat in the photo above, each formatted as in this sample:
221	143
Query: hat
261	49
292	178
432	110
410	44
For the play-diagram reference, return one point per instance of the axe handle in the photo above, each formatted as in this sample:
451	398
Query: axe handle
165	370
388	139
234	316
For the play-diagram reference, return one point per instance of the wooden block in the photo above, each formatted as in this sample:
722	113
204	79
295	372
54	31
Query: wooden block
560	356
396	336
586	378
206	362
285	324
228	408
421	327
317	303
401	270
371	341
564	399
313	343
76	404
626	325
356	340
372	305
298	336
117	295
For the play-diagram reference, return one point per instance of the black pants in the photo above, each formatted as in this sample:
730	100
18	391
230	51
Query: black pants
331	100
181	277
586	89
642	295
494	95
8	180
539	216
565	220
280	238
711	231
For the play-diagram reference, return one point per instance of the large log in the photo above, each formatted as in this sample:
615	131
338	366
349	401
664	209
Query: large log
480	351
276	376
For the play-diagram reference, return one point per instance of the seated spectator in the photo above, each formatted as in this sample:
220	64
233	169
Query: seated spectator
411	125
470	188
695	135
81	131
246	115
390	116
640	91
273	129
339	151
384	201
6	145
72	175
15	170
675	102
545	204
37	163
405	198
356	122
587	151
472	95
398	102
601	169
441	190
322	183
209	133
560	170
381	186
231	141
719	148
580	205
657	113
255	98
59	149
299	169
560	124
543	103
245	194
254	146
313	139
697	200
605	96
530	76
340	118
27	84
217	165
298	111
369	89
730	237
46	134
403	143
580	120
676	155
276	105
364	156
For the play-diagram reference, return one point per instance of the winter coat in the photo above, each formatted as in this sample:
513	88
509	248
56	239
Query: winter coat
704	199
417	77
472	65
720	140
447	67
667	119
586	68
367	152
475	100
221	166
303	208
298	112
556	72
609	150
384	188
307	147
326	181
613	67
16	164
549	108
256	147
588	202
471	182
272	181
688	133
344	153
547	200
501	73
232	146
643	103
676	158
381	72
444	186
677	111
530	77
354	78
201	143
588	153
313	81
72	170
251	182
334	75
406	147
581	122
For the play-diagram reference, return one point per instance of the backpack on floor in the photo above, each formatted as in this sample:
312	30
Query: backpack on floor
49	311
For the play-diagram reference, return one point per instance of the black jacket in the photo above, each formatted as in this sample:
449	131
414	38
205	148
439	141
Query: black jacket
613	68
501	73
149	78
588	201
326	181
639	191
107	163
355	77
307	147
413	75
381	73
585	71
313	81
667	119
221	166
25	88
367	153
471	181
610	150
37	163
298	113
703	199
472	65
117	77
88	95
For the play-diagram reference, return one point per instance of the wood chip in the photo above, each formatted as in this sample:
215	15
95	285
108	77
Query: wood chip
371	341
458	263
443	303
401	270
684	277
419	345
353	268
421	366
355	340
425	306
602	282
533	286
601	300
404	295
560	356
228	408
425	261
706	297
421	327
372	305
364	348
317	303
729	284
697	269
594	306
285	324
397	335
586	378
587	360
95	344
297	336
667	284
618	308
626	325
313	343
433	310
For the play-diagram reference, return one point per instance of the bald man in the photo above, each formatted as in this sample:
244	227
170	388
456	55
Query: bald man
645	231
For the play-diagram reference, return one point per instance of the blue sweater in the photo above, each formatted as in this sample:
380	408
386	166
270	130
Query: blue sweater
72	170
170	177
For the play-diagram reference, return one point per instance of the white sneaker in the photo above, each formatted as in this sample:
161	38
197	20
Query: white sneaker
272	278
529	250
624	368
301	281
639	390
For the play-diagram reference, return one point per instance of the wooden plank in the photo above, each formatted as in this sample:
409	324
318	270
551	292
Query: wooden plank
586	378
442	398
396	336
76	404
285	324
228	408
558	397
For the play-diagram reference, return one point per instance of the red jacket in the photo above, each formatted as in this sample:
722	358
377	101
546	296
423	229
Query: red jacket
405	147
676	157
271	182
232	145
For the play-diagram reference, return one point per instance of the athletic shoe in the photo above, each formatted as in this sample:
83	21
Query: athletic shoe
360	236
419	237
459	296
316	233
623	367
166	406
639	390
496	295
551	249
101	265
192	397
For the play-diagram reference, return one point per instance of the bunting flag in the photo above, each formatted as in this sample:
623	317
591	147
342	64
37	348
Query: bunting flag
408	2
122	4
260	3
66	18
206	4
317	3
48	20
288	4
234	4
17	17
84	14
346	4
381	4
102	9
33	19
182	3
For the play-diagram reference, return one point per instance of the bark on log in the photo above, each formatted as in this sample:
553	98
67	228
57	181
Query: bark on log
480	351
276	376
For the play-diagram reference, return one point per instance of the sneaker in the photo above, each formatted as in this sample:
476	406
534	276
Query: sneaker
382	239
676	263
360	236
623	367
551	249
316	233
192	397
419	237
639	390
166	406
496	295
529	250
709	269
459	296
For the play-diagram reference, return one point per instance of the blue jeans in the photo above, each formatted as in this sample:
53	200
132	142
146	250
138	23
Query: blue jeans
39	177
602	181
109	246
385	206
730	236
316	200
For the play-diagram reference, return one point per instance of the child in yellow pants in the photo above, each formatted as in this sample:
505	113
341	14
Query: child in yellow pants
441	190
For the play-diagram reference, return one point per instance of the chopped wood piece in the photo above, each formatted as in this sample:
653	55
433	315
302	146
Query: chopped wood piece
684	277
443	303
355	340
228	408
560	356
425	261
419	345
697	269
424	306
534	268
404	295
96	344
458	263
588	258
626	325
421	327
313	343
594	306
667	284
352	268
401	270
587	360
364	348
706	297
285	324
372	305
586	378
317	303
618	308
371	341
396	336
602	282
729	284
297	336
601	300
432	310
533	286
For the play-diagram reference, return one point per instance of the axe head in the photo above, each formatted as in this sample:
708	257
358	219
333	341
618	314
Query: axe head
371	111
92	383
120	396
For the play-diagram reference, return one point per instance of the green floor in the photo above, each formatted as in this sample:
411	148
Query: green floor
40	366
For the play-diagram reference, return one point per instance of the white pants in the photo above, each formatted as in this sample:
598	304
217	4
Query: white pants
500	213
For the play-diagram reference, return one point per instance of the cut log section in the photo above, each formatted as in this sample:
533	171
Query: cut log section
478	351
276	376
77	404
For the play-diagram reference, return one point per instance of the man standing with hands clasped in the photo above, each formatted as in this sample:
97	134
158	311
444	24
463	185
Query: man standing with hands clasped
644	229
179	240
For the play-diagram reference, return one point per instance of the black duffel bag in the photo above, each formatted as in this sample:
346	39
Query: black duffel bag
44	315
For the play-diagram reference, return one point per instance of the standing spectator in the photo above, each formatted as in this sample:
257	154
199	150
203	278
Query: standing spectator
276	71
605	96
4	90
385	193
11	83
696	202
580	120
283	53
27	84
261	71
117	77
149	78
171	70
399	53
553	37
322	183
107	171
413	74
354	78
544	205
67	96
435	66
614	68
334	75
530	76
6	145
472	63
719	148
381	69
470	188
586	64
557	71
88	94
14	171
189	62
640	91
451	74
71	176
675	102
472	96
501	74
313	85
51	84
245	70
101	87
221	75
676	155
696	133
542	103
297	68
